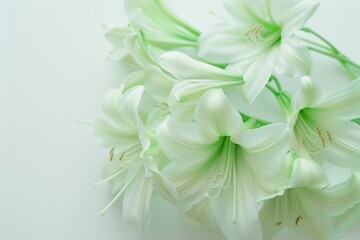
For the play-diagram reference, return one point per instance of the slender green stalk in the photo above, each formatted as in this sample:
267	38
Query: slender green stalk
246	117
336	56
316	44
335	53
283	98
309	30
277	82
342	61
271	89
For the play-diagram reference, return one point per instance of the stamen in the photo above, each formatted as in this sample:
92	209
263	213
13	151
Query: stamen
255	34
102	212
111	154
122	156
278	223
323	141
315	151
318	129
234	216
163	106
329	136
216	181
96	184
298	219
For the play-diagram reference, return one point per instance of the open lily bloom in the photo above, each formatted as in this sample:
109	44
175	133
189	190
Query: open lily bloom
134	157
323	127
194	79
145	69
160	25
259	39
132	45
308	208
220	169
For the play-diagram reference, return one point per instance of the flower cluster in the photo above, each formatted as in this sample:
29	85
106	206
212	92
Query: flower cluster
172	128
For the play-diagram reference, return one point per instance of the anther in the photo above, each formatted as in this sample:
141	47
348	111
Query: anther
318	129
111	154
298	220
315	151
329	135
323	141
278	223
122	156
255	34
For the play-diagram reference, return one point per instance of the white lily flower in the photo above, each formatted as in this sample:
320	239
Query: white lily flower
259	39
194	79
323	127
307	208
131	44
162	27
135	159
220	169
146	69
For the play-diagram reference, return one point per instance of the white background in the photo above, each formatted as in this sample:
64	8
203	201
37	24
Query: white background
52	72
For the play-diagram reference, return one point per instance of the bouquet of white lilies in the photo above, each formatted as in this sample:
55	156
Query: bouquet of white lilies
175	128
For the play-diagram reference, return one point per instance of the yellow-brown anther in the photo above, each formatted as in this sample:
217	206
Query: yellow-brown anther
111	154
278	223
298	220
329	136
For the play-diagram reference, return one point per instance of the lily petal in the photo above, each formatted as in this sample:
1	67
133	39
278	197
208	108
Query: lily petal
342	196
292	15
184	143
136	202
344	104
157	84
265	149
216	114
201	213
256	80
268	212
307	173
344	148
294	59
223	43
192	183
183	66
186	94
117	36
236	209
161	26
309	94
159	181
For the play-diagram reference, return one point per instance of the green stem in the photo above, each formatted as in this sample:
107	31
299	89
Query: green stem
341	59
272	89
246	117
335	53
277	82
284	100
349	70
336	56
316	44
309	30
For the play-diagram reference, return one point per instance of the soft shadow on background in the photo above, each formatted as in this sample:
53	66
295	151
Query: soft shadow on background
53	70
